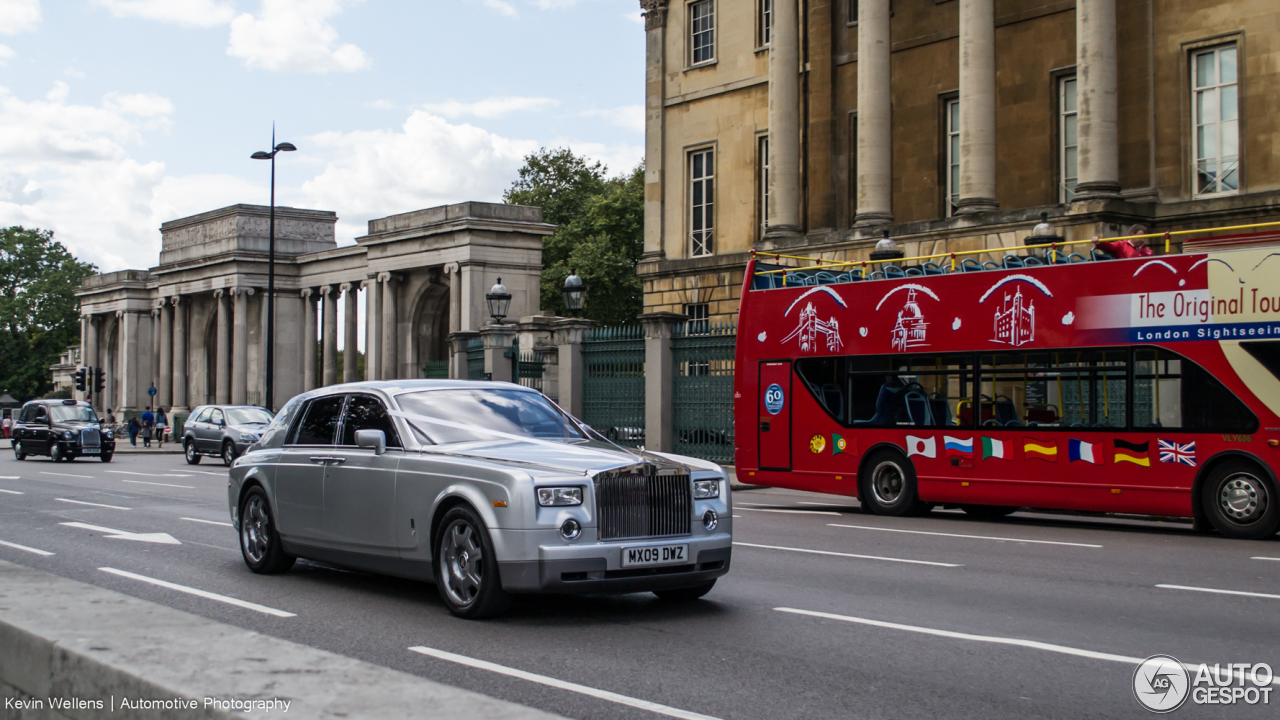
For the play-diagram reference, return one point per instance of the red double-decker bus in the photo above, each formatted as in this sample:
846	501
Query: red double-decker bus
1149	385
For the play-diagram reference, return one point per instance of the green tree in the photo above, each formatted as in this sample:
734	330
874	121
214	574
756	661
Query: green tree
599	231
39	317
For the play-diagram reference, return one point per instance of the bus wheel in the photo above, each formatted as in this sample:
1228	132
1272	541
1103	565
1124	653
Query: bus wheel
1241	501
987	512
890	485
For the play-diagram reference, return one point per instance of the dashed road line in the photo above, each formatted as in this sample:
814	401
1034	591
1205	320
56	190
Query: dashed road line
849	555
208	522
82	502
144	482
968	537
24	547
1266	558
11	492
82	477
787	512
200	593
1216	591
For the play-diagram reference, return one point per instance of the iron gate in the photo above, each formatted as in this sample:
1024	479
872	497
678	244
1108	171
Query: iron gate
702	397
613	384
475	358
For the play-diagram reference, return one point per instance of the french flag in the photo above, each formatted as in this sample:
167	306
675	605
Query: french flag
1083	451
957	447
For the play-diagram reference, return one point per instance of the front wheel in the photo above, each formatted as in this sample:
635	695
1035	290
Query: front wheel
228	453
466	569
1241	501
686	594
193	457
18	452
106	456
890	485
259	541
56	453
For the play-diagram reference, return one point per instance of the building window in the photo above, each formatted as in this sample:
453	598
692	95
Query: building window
699	315
765	23
953	156
1068	140
764	184
851	10
702	28
1215	120
702	201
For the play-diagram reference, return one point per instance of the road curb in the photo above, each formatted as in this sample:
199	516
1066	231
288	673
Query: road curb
68	640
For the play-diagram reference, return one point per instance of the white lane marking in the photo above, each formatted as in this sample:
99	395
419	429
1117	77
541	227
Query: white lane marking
82	477
969	537
200	593
562	685
151	475
10	477
1266	558
802	502
162	538
144	482
208	522
1220	592
202	472
24	547
789	512
81	502
1018	642
10	492
848	555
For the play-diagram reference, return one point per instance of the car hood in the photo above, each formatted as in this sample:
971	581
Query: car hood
579	457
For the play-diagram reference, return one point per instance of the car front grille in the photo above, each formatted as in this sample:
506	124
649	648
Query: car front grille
635	505
90	438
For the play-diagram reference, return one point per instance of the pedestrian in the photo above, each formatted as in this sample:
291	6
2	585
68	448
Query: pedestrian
162	424
111	417
148	426
1131	248
134	428
7	424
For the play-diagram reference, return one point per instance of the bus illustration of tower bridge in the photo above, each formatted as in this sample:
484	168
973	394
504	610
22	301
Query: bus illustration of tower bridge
1015	321
807	331
910	329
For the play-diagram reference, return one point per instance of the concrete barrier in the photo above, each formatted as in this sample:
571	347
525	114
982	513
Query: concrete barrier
72	650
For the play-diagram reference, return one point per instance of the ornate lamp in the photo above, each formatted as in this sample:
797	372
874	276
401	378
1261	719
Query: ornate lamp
575	293
499	301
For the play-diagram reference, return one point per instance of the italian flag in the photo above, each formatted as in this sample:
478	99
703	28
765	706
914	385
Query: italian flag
992	448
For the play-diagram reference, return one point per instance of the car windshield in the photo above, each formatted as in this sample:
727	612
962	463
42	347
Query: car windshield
484	413
247	416
73	413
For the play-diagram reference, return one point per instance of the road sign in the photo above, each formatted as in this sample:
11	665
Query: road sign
152	391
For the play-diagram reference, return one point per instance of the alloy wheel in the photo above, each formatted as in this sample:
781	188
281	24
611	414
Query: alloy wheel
1243	498
255	529
462	562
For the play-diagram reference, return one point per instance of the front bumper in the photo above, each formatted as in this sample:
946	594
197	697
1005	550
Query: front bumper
74	448
596	567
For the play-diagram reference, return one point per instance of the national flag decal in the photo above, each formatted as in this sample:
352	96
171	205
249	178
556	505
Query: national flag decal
841	444
1079	450
957	447
1036	449
1136	453
993	448
926	447
1175	452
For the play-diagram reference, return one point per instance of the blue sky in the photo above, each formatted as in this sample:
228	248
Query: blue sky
116	115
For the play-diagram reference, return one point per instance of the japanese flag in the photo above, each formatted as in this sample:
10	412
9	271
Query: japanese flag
927	447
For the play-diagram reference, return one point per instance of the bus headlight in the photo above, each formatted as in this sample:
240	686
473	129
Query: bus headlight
706	489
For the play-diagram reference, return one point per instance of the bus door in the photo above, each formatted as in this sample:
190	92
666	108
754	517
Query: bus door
774	430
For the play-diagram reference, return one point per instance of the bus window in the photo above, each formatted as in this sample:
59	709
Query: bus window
892	390
1266	352
1064	389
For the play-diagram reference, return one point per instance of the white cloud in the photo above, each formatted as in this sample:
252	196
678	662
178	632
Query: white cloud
6	54
294	36
490	108
556	4
188	13
19	16
630	117
505	9
619	158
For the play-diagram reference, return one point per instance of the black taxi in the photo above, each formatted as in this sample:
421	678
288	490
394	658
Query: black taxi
63	430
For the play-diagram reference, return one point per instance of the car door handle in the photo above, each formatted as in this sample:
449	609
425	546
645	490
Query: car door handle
327	459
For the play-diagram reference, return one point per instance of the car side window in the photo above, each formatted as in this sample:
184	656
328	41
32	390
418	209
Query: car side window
215	417
202	416
28	414
368	413
319	421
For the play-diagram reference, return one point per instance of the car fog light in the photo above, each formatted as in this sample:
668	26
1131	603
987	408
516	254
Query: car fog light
570	529
710	519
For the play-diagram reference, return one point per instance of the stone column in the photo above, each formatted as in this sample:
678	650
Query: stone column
180	373
655	72
977	106
240	348
222	381
568	336
350	328
388	347
458	348
131	392
875	116
373	329
497	349
329	334
455	307
659	379
308	341
784	120
1096	94
164	393
91	357
155	353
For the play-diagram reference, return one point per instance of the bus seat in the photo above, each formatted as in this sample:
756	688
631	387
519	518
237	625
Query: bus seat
1005	412
1075	258
1030	261
811	280
991	265
918	408
844	277
970	265
1012	261
833	399
940	409
825	278
888	402
990	422
1014	423
1099	254
877	275
893	272
914	272
1057	257
856	274
932	268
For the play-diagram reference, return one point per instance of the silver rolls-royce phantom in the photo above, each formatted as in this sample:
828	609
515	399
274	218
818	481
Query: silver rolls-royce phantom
487	488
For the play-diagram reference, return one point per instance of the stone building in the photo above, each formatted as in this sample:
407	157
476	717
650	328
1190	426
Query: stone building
814	127
193	326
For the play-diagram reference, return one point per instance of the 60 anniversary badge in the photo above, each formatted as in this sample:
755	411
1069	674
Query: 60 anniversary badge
1162	684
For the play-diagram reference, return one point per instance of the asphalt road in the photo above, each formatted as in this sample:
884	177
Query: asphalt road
914	613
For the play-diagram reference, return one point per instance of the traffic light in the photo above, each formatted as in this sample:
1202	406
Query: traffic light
81	384
99	381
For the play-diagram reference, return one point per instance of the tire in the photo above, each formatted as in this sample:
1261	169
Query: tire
228	453
987	512
189	449
106	457
889	487
466	570
56	454
18	454
687	594
1241	501
259	542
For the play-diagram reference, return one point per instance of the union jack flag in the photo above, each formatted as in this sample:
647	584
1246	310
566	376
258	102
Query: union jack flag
1173	452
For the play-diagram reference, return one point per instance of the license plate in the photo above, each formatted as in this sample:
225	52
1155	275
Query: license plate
91	451
655	555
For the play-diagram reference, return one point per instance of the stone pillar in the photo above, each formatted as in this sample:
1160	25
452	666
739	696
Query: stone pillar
655	73
875	116
329	334
455	308
568	336
308	341
373	329
784	120
497	348
387	349
458	349
131	392
1096	93
180	373
164	393
659	374
977	106
155	354
222	378
350	338
240	348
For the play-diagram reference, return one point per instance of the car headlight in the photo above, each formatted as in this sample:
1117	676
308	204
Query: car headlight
559	496
107	434
704	489
248	437
67	435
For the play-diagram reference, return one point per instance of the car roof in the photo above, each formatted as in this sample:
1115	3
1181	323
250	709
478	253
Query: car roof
395	387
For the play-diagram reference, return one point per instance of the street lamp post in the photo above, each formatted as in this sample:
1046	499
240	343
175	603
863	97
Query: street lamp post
269	399
499	301
575	293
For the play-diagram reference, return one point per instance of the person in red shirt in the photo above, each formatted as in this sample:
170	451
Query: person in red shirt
1137	247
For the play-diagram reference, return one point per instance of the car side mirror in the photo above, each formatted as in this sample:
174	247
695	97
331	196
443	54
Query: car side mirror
374	440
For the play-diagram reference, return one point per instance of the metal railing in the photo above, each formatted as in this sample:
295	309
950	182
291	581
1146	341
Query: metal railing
475	358
613	383
702	396
435	369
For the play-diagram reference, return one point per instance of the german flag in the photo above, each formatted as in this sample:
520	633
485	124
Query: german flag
1136	453
1040	449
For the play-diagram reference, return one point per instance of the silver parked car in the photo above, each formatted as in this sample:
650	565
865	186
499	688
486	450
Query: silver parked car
224	431
487	488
